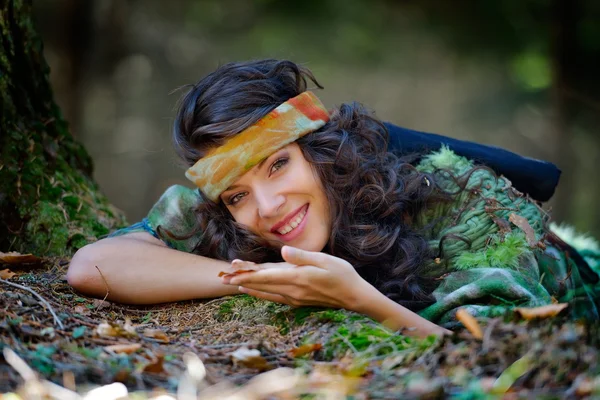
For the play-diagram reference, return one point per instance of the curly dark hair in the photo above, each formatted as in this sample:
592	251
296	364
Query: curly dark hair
373	194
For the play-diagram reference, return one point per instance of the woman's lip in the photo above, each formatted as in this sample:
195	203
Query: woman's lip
287	219
297	231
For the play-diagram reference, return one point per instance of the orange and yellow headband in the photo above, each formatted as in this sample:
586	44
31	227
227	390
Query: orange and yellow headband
221	167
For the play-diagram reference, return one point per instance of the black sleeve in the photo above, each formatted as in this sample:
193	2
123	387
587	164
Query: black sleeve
534	177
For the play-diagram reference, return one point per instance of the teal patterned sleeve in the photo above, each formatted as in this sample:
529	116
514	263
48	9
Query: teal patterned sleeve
171	219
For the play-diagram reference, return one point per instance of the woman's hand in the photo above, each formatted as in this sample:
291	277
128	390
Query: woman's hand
319	279
306	278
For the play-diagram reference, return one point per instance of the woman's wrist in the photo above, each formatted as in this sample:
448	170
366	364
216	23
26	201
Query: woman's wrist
376	305
363	298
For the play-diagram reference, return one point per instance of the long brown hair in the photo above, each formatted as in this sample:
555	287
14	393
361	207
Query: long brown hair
373	194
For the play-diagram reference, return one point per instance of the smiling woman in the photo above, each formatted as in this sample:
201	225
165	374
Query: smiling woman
331	218
282	200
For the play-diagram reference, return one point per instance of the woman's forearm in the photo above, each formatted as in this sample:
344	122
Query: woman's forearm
374	304
139	269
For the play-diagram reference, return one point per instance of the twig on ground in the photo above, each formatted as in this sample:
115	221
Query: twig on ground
105	284
19	364
46	304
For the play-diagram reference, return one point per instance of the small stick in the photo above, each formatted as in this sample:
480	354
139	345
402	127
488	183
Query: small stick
46	304
19	364
105	284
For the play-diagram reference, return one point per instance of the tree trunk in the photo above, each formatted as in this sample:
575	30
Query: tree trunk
49	202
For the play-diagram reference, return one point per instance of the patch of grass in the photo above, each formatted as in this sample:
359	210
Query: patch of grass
367	338
333	316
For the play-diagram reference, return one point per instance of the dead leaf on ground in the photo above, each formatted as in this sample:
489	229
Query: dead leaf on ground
157	334
548	311
470	323
13	257
523	224
328	380
249	358
305	349
6	274
107	329
99	304
82	310
124	348
156	365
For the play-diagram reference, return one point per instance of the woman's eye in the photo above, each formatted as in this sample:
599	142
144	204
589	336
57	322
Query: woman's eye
235	199
277	165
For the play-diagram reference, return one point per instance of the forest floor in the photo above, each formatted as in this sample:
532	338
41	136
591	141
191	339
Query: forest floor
248	349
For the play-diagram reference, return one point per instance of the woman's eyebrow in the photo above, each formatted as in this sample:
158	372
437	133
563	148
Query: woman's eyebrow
259	165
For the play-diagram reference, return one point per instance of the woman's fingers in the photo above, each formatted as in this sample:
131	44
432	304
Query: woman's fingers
302	257
282	290
275	276
241	264
318	259
265	295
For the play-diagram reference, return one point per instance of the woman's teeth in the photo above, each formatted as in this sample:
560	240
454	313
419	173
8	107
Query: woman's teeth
287	228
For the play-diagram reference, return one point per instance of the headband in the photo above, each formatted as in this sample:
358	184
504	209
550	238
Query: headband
221	167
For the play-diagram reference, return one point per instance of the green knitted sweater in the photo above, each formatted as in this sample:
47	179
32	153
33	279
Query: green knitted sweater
496	247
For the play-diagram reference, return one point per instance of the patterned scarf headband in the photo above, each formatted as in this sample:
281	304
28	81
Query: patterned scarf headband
221	167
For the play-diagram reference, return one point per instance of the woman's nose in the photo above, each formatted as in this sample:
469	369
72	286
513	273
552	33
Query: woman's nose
269	204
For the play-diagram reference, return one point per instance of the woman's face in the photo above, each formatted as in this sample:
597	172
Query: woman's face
282	199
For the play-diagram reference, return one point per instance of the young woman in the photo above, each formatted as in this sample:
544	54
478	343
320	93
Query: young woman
330	217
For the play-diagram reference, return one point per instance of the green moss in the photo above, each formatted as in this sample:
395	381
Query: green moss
503	252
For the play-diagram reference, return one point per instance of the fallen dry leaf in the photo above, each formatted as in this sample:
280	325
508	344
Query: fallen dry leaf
81	310
548	311
470	323
503	225
107	329
249	358
157	334
13	257
305	349
129	328
124	348
240	267
235	273
155	365
6	274
523	224
328	380
99	304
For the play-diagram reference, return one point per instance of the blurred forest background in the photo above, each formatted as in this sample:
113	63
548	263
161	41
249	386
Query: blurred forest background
521	74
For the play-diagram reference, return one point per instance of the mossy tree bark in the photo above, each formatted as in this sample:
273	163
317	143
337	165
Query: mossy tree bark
49	202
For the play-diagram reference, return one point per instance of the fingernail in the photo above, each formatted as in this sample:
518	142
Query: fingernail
242	289
240	264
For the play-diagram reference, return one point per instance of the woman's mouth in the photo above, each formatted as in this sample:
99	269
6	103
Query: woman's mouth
294	227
